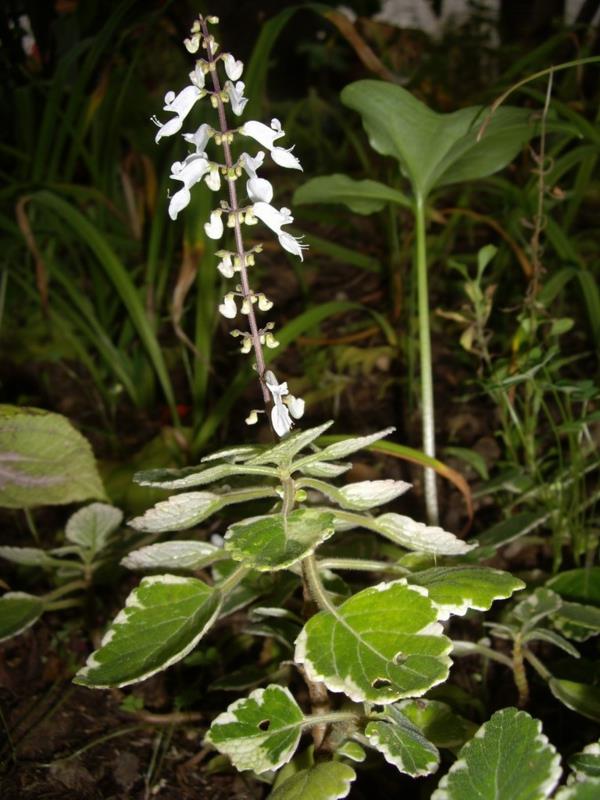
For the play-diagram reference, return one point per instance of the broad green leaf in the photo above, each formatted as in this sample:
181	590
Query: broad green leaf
362	197
438	722
436	149
91	526
178	555
327	781
196	476
287	448
163	620
539	605
18	611
577	621
352	750
276	541
359	496
343	448
589	789
454	590
551	637
185	510
403	744
260	732
508	759
578	585
587	763
28	556
580	697
380	645
44	460
418	536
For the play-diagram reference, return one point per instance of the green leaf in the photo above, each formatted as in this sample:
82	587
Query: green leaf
178	555
327	781
580	697
403	744
551	637
351	750
343	448
260	732
28	556
18	611
243	452
578	585
508	759
92	526
577	621
275	541
287	448
362	197
382	644
196	476
587	763
539	605
324	469
359	496
44	460
510	529
454	590
589	789
163	620
418	536
438	722
436	149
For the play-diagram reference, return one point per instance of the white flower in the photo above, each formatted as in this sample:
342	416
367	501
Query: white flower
285	158
200	138
275	220
259	189
225	266
280	416
193	43
252	417
233	68
264	303
189	172
228	307
197	77
262	133
251	164
295	405
213	179
180	105
236	96
214	228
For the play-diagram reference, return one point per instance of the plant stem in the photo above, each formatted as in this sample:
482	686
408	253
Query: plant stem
427	408
329	717
541	670
233	202
60	604
310	572
31	525
460	648
67	588
519	674
362	565
228	584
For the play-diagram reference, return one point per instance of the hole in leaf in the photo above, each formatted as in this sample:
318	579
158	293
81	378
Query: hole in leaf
264	725
381	683
400	659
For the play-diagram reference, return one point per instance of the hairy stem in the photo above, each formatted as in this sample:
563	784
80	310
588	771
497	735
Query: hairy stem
233	202
520	676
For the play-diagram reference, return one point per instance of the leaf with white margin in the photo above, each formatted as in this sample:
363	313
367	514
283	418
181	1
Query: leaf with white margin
380	645
325	469
413	535
359	496
509	758
586	764
586	790
577	621
163	620
551	637
454	590
92	526
402	744
536	607
28	556
285	450
440	724
351	750
242	452
197	476
180	554
259	732
327	781
276	541
343	448
18	611
183	511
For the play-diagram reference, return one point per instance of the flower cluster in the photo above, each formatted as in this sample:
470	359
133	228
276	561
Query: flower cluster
198	166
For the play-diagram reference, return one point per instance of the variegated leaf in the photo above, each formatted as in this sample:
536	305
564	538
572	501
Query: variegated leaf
197	476
92	526
402	744
18	611
343	448
287	448
359	496
178	555
329	780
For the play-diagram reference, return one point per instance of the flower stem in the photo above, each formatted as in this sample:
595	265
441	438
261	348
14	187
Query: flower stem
233	202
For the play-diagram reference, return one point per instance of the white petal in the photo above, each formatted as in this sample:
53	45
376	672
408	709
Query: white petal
190	171
213	180
226	268
236	96
233	68
199	138
178	202
252	164
261	133
192	44
268	214
285	158
259	189
252	417
197	77
228	307
295	405
214	228
281	420
169	128
278	390
182	103
292	244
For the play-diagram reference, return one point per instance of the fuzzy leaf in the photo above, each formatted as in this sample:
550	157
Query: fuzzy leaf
359	496
551	637
343	448
260	732
163	620
418	536
454	590
44	460
241	453
382	644
91	526
509	758
275	541
18	611
178	555
327	781
27	556
287	448
196	476
362	197
402	744
536	607
324	469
